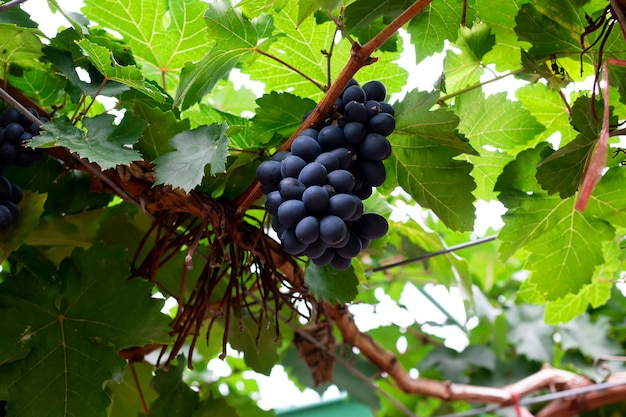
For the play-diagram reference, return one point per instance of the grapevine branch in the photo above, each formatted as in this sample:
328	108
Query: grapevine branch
359	57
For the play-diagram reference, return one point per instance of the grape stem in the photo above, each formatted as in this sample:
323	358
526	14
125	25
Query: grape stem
10	4
359	57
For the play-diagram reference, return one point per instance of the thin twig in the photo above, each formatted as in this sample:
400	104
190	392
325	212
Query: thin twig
479	85
19	107
144	406
9	4
291	67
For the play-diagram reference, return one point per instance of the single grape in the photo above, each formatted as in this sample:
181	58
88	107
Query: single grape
332	230
26	122
268	172
15	212
382	123
291	189
10	115
291	166
386	108
341	180
306	148
344	156
339	105
329	160
372	107
343	242
353	93
354	132
16	193
352	248
342	205
310	132
291	212
279	156
278	227
375	90
363	192
372	173
371	226
5	217
5	188
315	199
375	147
12	132
313	174
272	201
308	230
329	189
331	137
315	249
359	209
291	244
355	112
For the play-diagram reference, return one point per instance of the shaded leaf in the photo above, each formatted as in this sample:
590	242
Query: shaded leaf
279	114
31	209
528	333
590	337
455	365
361	13
161	126
257	340
176	398
329	284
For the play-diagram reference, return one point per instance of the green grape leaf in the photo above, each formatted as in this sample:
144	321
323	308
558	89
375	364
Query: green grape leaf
608	200
500	16
362	13
301	47
39	85
424	146
279	114
215	407
127	395
307	7
176	398
104	143
257	339
529	334
195	150
571	305
547	35
561	171
487	167
465	68
547	106
130	75
154	141
31	209
495	121
329	284
439	21
589	337
19	45
163	34
61	353
236	39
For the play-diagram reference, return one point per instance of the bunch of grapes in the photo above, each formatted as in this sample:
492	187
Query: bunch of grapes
15	130
315	191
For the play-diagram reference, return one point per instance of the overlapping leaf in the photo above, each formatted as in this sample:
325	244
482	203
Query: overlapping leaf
104	143
63	330
279	114
195	150
362	13
18	45
161	126
424	146
328	284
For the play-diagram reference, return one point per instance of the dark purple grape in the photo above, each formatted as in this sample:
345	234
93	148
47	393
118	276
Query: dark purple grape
11	115
340	263
15	212
342	205
387	108
291	189
332	230
363	192
352	248
306	115
331	137
382	123
371	226
313	174
315	199
272	201
308	230
373	108
268	172
344	156
329	160
279	156
353	93
375	90
355	112
26	157
315	249
341	180
5	217
291	244
291	166
354	132
26	136
12	132
16	193
325	258
365	243
359	209
339	105
371	172
375	147
5	188
329	189
306	148
291	212
24	121
278	227
310	132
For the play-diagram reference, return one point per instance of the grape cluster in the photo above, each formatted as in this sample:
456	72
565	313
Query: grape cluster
315	191
15	130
